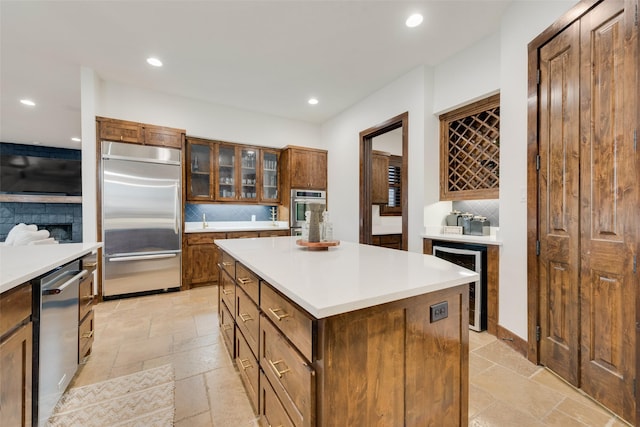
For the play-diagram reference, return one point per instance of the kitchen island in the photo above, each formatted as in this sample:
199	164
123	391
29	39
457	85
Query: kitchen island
355	335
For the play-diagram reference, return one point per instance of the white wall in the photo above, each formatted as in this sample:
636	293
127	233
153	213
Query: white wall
201	119
340	136
89	84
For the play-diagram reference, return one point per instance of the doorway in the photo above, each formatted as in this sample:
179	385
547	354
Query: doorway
398	125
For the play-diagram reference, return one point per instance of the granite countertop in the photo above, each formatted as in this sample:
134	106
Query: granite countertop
346	277
224	226
19	264
436	233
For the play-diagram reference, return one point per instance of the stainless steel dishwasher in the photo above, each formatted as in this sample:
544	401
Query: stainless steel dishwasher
55	336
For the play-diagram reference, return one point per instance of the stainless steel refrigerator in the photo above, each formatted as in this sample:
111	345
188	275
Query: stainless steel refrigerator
141	218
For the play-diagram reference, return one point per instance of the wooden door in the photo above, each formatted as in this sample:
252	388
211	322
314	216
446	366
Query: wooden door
559	204
609	204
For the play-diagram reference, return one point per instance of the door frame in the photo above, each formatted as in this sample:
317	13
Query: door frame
533	235
366	172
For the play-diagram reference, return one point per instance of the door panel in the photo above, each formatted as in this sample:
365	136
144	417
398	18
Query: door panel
559	204
609	206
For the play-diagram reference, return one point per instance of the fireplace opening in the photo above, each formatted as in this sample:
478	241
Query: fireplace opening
61	232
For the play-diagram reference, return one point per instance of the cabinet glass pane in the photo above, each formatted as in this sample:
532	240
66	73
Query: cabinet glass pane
200	170
226	172
248	174
270	176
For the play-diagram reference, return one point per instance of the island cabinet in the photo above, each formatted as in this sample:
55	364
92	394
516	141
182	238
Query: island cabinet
86	319
16	344
403	362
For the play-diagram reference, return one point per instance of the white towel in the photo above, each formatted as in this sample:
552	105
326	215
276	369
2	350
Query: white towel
25	237
17	230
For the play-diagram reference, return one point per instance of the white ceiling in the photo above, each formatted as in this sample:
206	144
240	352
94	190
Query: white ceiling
265	56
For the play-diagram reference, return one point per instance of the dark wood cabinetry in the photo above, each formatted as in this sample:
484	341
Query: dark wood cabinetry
392	241
304	168
138	133
380	178
226	172
86	319
201	259
583	200
16	351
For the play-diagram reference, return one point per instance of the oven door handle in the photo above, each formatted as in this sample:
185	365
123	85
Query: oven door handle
59	289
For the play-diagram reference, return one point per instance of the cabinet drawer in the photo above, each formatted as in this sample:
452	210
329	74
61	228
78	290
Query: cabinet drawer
85	336
292	378
85	296
228	264
274	233
272	412
248	367
15	306
227	289
228	328
294	323
204	238
247	319
247	281
242	234
162	136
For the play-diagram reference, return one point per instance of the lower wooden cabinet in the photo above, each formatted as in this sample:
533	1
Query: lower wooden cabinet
392	241
16	351
248	367
86	326
271	412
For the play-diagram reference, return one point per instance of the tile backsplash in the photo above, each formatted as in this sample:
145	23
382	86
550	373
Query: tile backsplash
193	212
488	208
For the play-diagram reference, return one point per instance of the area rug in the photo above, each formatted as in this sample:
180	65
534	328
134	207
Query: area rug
145	398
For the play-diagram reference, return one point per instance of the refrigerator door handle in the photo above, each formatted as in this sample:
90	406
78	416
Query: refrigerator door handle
142	257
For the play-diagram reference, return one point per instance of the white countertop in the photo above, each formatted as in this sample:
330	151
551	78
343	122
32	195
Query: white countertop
224	226
436	233
19	264
346	277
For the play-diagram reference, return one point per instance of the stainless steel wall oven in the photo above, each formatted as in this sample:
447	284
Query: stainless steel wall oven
300	200
472	257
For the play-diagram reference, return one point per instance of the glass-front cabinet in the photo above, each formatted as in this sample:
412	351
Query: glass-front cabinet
248	174
200	175
269	176
227	180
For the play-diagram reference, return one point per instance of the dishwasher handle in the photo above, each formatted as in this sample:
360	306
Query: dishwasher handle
59	289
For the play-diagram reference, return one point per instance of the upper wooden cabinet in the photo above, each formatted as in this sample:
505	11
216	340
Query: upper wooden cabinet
470	151
305	168
380	178
138	133
227	172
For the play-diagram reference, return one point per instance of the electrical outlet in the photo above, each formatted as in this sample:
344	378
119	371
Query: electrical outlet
439	311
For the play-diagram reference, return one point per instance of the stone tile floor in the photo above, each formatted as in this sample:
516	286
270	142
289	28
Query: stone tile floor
139	333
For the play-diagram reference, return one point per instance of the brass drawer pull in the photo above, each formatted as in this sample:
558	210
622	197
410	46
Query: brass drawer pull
244	280
275	311
227	291
245	317
247	366
227	263
275	368
87	334
226	327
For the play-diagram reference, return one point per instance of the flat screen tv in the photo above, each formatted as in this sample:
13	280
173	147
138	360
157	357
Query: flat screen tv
40	175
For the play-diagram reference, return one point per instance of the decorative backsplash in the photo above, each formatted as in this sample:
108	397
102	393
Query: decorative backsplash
63	220
488	208
193	212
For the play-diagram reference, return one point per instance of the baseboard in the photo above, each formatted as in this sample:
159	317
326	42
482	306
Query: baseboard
512	340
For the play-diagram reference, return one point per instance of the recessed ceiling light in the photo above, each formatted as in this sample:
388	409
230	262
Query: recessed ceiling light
313	101
74	139
28	102
414	20
154	61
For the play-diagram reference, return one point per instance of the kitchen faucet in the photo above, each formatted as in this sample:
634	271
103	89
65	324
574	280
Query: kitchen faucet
204	220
